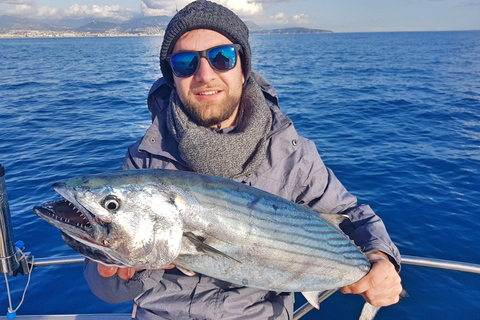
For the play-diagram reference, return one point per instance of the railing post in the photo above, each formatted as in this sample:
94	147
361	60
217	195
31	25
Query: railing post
8	259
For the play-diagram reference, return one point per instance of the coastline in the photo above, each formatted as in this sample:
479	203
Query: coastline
20	34
31	33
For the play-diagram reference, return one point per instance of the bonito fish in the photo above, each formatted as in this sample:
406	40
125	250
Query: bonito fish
217	227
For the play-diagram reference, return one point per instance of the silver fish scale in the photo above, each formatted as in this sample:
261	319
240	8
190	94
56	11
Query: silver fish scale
282	246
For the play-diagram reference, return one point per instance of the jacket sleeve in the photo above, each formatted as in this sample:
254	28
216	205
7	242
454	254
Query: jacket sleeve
323	192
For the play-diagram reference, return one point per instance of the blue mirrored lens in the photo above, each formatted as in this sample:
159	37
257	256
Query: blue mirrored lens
223	58
185	64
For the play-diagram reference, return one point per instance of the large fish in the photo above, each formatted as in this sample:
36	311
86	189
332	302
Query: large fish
217	227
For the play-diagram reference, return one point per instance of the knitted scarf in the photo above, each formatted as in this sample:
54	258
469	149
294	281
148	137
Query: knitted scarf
227	155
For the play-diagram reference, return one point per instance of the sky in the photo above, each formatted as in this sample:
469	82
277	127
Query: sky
335	15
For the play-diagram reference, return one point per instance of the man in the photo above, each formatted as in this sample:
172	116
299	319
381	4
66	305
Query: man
213	114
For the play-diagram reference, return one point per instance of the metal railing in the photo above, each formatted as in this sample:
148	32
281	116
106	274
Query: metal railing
441	264
409	260
39	262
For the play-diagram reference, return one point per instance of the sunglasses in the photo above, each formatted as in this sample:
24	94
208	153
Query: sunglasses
221	58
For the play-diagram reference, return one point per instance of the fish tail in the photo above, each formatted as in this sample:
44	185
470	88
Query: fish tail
368	312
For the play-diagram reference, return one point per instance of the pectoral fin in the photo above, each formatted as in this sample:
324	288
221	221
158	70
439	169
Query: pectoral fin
315	297
187	272
203	247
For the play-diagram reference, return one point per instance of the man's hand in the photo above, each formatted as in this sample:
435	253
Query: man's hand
123	273
382	285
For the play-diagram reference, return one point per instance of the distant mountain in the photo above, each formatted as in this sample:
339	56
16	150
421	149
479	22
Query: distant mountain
253	26
155	24
135	25
98	27
16	23
145	22
77	23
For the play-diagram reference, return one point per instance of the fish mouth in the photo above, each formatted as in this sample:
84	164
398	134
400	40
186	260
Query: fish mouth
71	217
81	229
63	211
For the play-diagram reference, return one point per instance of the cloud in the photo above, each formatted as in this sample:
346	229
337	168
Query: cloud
81	11
18	2
269	4
21	10
44	11
75	11
301	18
147	11
298	19
244	8
279	18
252	10
275	1
162	7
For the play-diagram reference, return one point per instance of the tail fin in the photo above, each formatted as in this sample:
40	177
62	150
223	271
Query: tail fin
368	312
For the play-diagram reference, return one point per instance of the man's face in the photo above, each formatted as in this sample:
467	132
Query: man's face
210	97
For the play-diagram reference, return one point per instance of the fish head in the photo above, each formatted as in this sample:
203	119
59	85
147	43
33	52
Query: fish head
123	220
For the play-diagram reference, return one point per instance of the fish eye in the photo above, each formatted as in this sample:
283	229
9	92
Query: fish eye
111	203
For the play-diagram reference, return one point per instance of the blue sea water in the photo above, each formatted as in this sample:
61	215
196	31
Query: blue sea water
395	115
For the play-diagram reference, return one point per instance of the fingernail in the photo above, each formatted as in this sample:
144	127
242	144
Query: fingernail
346	290
106	271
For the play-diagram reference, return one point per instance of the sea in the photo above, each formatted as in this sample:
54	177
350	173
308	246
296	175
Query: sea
396	116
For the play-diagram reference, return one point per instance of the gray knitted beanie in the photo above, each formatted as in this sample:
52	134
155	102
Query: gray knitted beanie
204	14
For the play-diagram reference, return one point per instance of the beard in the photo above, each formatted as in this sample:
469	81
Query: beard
211	113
